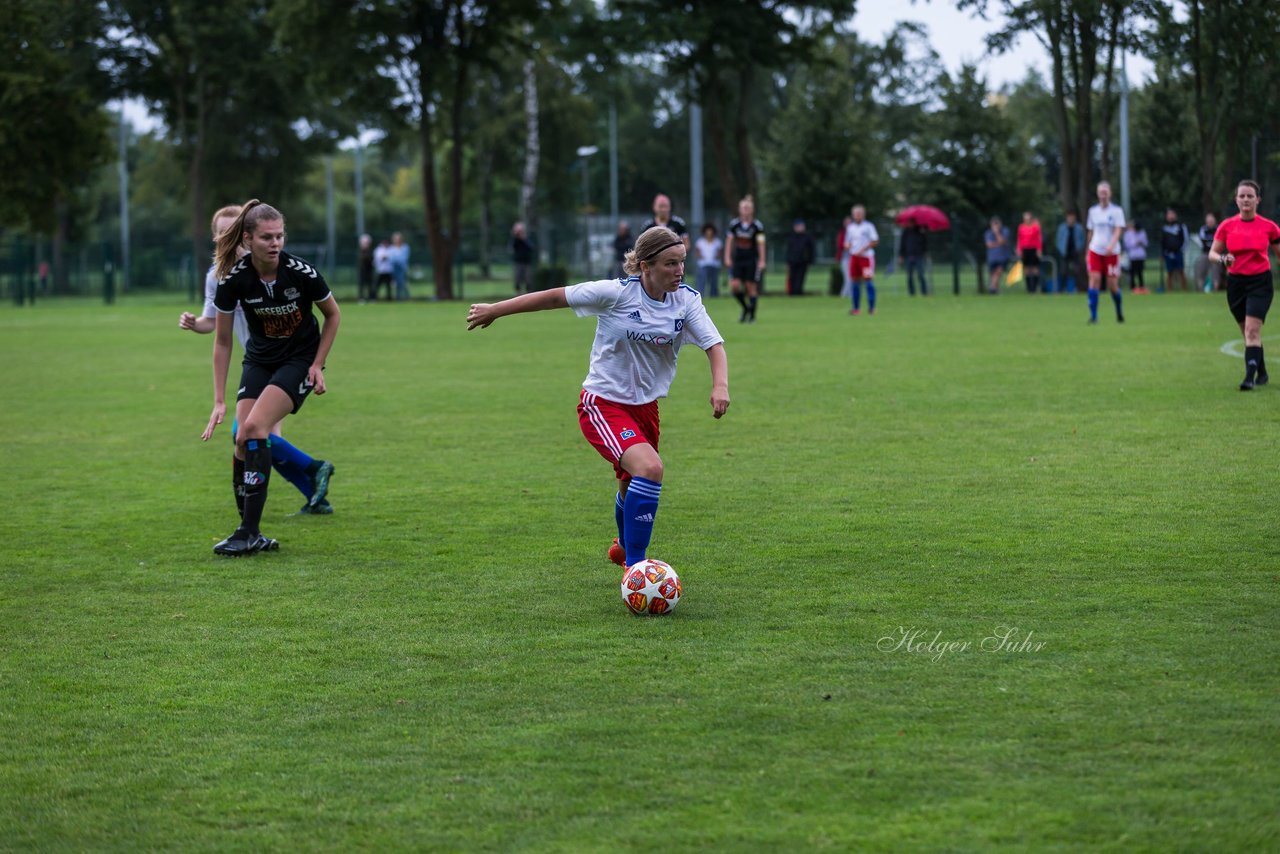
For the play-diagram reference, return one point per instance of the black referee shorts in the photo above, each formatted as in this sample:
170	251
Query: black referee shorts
1249	296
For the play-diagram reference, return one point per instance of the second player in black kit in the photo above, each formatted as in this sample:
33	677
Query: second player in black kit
744	255
284	357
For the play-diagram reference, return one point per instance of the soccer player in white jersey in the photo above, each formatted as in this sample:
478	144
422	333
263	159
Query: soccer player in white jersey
1105	227
309	475
860	241
641	323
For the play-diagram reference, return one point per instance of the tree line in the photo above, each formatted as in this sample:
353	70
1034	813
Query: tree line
479	107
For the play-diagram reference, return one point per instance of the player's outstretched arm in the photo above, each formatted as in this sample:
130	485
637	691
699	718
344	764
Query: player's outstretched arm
483	313
719	379
221	362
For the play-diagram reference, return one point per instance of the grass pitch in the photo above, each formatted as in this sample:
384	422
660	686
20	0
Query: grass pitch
967	575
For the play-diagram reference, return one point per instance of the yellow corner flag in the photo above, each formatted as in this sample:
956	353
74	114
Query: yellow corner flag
1015	274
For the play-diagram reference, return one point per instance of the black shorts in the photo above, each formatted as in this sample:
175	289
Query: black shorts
1030	258
290	376
745	270
1249	296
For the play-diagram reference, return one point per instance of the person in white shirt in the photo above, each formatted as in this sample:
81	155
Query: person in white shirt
384	266
860	241
708	248
641	323
1104	228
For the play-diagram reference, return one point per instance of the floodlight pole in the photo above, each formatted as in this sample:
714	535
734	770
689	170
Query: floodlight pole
696	203
613	163
124	201
330	234
1124	137
359	164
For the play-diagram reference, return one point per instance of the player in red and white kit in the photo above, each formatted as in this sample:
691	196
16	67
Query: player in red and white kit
1244	243
641	323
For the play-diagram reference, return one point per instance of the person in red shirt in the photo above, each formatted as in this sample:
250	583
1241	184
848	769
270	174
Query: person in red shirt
1030	246
1243	243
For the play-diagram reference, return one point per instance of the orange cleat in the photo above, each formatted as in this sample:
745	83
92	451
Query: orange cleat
618	554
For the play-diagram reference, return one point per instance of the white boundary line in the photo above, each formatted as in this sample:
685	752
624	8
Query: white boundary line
1229	348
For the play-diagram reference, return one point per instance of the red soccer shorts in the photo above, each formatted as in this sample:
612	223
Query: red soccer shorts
1107	265
861	267
611	427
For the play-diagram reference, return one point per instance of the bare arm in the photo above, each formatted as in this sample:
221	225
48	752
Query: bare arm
1219	255
221	362
760	248
201	325
482	314
719	379
1115	240
332	317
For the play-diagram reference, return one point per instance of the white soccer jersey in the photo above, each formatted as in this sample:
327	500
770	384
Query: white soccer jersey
860	234
1103	222
638	338
239	325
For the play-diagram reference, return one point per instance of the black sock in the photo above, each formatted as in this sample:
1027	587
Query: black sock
1252	359
257	473
237	483
742	300
751	306
1262	363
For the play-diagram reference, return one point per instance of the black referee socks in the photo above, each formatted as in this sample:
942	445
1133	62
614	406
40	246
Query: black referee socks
1252	363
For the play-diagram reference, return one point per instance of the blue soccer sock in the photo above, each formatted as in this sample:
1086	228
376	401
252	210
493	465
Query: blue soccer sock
1115	298
1093	303
639	509
856	290
618	514
871	296
293	465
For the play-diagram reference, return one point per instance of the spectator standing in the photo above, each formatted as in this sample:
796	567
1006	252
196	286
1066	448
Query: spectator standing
842	257
913	247
999	253
1135	246
383	266
521	258
662	216
364	268
1030	248
1208	274
1070	243
1173	243
400	265
800	252
709	247
622	244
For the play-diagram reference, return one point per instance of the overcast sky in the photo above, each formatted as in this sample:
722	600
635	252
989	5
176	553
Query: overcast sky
961	36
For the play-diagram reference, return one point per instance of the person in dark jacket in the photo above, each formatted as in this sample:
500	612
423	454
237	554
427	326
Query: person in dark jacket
1173	242
800	251
913	246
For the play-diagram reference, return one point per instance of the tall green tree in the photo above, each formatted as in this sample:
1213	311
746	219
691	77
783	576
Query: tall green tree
422	58
971	163
54	132
234	106
720	54
1082	39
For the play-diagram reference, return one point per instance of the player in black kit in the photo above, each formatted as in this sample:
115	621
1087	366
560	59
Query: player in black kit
284	360
744	256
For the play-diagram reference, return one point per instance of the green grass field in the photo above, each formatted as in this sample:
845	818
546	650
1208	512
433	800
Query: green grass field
445	663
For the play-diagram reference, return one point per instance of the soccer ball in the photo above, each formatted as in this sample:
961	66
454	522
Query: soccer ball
651	587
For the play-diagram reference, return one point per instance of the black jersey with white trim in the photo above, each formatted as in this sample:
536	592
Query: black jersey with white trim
745	239
281	325
675	224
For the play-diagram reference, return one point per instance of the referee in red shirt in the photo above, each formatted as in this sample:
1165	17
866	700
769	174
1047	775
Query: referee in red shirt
1242	243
